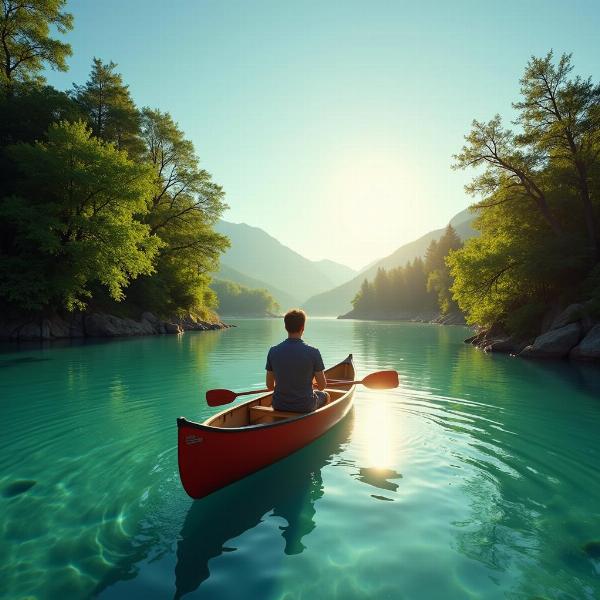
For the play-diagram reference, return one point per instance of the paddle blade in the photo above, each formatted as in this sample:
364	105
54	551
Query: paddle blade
220	397
382	380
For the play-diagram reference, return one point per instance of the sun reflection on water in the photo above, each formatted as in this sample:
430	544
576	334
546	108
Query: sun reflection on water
374	432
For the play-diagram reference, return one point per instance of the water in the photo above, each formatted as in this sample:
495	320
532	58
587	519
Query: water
477	478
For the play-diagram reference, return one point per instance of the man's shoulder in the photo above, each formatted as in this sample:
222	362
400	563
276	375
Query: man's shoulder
312	349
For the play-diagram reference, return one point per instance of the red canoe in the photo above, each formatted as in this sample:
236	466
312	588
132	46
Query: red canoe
243	439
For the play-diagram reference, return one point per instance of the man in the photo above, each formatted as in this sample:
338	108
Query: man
291	367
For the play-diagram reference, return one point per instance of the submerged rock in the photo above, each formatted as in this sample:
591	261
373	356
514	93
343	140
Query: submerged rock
556	343
18	487
592	549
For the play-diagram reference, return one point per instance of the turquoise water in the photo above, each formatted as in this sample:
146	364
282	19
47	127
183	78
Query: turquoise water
478	478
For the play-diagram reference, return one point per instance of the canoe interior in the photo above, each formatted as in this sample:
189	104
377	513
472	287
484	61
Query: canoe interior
243	415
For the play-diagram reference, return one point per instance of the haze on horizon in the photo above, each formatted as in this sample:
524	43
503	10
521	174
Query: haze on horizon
330	125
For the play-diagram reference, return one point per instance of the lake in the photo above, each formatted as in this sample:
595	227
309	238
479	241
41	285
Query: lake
479	477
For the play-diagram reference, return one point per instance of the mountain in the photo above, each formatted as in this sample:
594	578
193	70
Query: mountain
335	271
257	255
284	299
338	300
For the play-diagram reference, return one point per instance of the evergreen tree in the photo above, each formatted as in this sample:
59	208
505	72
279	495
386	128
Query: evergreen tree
110	111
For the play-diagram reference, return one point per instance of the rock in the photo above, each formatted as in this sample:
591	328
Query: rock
504	346
571	314
555	343
27	332
102	325
592	549
589	347
148	316
550	316
18	487
173	328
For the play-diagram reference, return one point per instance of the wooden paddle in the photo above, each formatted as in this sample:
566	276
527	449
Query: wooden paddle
381	380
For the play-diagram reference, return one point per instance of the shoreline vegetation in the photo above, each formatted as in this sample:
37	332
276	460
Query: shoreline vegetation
530	281
107	219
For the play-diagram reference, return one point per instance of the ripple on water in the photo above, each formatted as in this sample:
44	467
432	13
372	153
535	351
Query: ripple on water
477	478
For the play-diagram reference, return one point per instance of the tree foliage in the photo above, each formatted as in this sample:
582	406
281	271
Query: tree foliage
73	220
539	190
239	300
419	287
109	108
26	45
100	202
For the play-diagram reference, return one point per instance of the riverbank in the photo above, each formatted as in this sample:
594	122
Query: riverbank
572	333
420	317
32	327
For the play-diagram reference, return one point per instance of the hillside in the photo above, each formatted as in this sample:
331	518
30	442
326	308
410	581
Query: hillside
284	299
256	254
338	300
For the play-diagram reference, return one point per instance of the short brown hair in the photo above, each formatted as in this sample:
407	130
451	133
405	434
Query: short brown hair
294	320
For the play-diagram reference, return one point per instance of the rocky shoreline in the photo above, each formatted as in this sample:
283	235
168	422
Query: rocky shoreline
96	324
570	333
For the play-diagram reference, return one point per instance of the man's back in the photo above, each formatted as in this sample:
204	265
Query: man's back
294	364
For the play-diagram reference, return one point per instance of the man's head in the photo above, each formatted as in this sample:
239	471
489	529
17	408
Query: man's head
294	321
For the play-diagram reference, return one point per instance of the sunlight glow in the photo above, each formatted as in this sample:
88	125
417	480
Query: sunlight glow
375	433
379	189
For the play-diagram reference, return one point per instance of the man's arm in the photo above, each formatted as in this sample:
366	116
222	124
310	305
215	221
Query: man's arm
270	380
321	380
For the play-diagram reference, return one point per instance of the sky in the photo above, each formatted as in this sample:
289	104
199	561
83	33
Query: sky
331	124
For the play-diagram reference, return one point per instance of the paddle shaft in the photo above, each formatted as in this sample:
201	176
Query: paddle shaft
338	381
379	380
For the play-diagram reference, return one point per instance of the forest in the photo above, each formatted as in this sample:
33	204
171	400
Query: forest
422	287
103	204
238	300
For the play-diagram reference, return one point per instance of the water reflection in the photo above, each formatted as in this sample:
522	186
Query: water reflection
379	478
288	488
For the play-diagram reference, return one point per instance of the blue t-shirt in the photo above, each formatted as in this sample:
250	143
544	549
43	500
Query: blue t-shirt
294	364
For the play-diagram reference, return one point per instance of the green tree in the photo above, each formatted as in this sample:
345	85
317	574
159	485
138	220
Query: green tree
26	46
561	123
109	108
439	279
540	197
73	221
182	211
239	300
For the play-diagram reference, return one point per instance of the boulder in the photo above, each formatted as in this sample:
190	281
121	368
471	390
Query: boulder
571	314
589	347
555	343
506	346
173	328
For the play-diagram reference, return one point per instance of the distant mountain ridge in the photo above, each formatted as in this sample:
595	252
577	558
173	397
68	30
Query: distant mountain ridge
257	259
338	300
282	298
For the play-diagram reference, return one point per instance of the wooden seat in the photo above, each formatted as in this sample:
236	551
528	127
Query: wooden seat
266	414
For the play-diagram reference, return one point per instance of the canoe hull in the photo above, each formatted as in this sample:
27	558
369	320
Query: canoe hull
212	457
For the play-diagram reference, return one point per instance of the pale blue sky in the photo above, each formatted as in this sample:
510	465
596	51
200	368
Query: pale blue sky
331	124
